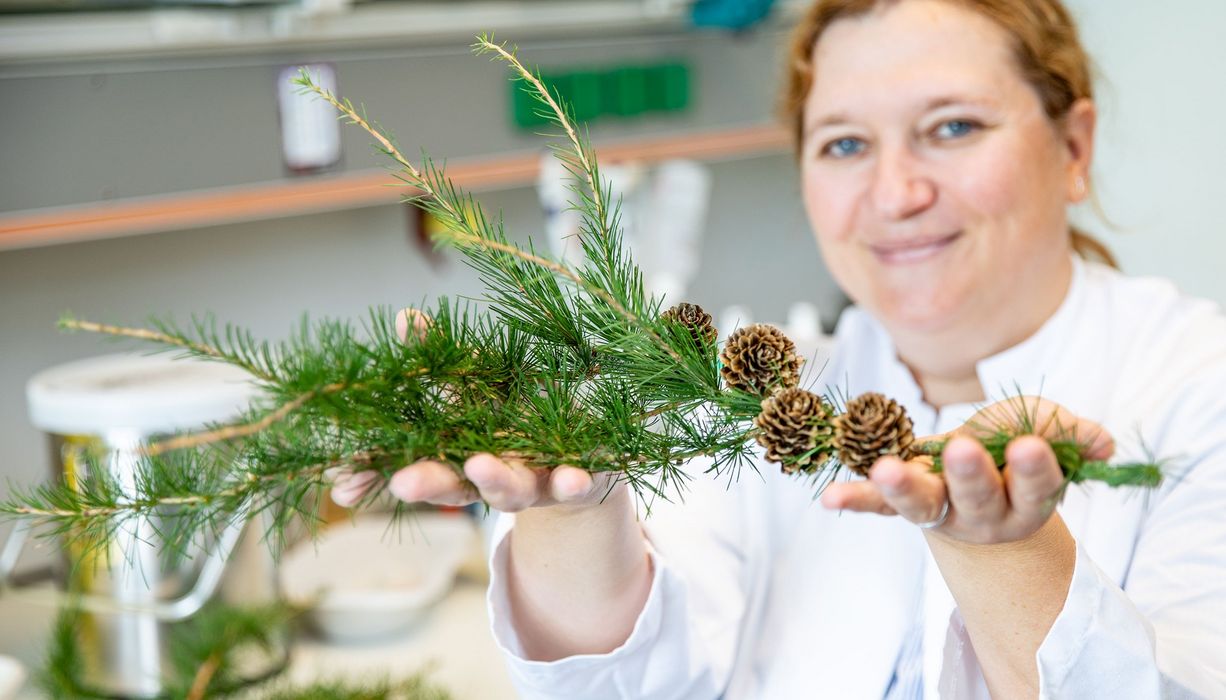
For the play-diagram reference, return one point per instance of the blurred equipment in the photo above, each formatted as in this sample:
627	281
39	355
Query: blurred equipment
363	580
24	6
668	238
662	212
597	93
731	14
310	132
12	676
132	597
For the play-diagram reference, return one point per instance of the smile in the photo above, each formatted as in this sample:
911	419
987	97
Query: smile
914	250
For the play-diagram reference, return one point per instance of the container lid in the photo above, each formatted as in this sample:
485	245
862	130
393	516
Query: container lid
146	393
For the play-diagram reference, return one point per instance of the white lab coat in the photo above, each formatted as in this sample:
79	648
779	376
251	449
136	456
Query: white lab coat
760	593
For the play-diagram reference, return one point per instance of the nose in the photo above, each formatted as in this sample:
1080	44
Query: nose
900	190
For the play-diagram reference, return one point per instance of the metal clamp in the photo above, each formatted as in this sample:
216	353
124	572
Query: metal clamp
170	610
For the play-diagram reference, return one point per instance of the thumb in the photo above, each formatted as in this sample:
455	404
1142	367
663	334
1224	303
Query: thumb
414	321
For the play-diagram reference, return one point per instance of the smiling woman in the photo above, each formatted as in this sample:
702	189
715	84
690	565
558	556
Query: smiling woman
936	177
940	145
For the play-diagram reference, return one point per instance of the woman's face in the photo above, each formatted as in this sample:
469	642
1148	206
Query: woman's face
935	182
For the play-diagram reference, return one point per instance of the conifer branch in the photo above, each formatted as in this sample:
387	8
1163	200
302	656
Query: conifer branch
230	432
72	324
462	233
579	148
204	676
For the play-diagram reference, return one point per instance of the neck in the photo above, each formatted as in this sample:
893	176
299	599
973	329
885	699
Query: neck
944	362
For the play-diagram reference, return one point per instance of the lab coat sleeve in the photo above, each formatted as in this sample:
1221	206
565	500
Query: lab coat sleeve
684	642
1160	635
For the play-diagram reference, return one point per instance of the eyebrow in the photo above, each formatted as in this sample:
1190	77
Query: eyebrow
838	118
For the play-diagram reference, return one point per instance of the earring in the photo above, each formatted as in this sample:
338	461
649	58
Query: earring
1079	185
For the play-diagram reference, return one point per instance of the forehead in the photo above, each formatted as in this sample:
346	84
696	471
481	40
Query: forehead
912	52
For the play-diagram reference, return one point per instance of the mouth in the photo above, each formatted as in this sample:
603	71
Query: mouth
912	250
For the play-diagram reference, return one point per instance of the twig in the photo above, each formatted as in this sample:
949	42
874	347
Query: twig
571	133
236	431
589	174
204	676
248	484
141	334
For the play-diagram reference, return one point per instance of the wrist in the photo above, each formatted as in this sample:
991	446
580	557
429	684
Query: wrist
1052	539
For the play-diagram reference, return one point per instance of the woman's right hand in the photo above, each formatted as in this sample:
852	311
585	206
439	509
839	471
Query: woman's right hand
577	570
508	485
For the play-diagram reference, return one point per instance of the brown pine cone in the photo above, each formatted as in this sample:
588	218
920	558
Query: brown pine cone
695	320
795	429
872	426
758	359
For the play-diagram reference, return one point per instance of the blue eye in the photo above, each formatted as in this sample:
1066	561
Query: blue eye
955	128
843	148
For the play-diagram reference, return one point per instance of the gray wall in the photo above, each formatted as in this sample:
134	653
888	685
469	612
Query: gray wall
1161	148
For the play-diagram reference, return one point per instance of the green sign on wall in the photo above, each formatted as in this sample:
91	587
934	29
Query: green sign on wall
619	91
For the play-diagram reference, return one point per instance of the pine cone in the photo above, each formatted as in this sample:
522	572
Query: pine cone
759	358
795	430
695	320
872	426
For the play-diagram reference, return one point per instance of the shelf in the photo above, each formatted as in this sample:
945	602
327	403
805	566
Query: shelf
34	228
314	23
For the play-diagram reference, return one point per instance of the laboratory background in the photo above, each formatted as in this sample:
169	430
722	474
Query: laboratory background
155	160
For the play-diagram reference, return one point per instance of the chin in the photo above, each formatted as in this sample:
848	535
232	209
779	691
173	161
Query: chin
916	313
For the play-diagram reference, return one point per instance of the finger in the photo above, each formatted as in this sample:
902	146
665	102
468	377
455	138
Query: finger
411	319
507	485
976	491
570	485
1044	418
1096	442
1058	423
350	488
858	496
430	482
909	488
1032	477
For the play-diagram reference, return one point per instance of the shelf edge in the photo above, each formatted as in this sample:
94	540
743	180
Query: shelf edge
373	187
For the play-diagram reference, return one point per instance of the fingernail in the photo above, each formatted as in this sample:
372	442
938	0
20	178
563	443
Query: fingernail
961	467
1102	445
404	486
353	488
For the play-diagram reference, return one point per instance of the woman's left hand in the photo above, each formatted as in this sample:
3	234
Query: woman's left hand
986	505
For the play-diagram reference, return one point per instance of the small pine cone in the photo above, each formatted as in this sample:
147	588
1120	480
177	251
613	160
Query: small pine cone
759	358
795	429
873	426
695	320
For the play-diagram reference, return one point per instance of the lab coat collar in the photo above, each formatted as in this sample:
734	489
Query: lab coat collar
1041	359
1028	368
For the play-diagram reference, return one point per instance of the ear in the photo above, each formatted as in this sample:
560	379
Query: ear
1078	136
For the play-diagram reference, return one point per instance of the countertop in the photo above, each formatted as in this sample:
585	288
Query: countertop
454	636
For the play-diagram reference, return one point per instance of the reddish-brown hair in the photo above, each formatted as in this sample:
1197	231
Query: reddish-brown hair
1046	47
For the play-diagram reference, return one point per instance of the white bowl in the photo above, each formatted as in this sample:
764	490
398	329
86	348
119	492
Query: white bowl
366	579
12	677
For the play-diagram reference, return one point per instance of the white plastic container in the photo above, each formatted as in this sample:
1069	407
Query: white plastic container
131	602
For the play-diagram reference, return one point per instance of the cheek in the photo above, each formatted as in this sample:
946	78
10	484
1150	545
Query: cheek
1010	188
830	204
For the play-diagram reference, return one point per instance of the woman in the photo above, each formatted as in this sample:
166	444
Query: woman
940	144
